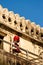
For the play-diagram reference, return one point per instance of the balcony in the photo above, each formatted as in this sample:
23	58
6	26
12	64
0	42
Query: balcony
27	58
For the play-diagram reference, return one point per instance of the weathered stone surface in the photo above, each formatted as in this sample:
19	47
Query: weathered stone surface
31	35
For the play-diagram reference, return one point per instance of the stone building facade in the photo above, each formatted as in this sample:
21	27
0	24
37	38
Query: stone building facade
31	35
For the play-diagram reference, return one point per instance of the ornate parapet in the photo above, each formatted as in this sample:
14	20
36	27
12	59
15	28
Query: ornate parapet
31	35
20	24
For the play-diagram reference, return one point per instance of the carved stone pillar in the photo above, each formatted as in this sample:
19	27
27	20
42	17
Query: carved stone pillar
17	21
33	29
4	15
1	9
22	24
11	19
28	27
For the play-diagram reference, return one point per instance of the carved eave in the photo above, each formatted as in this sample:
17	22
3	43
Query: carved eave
21	34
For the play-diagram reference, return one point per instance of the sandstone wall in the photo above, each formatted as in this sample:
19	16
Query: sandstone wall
22	25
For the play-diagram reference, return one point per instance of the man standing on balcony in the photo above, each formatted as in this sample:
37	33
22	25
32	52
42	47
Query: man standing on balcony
15	44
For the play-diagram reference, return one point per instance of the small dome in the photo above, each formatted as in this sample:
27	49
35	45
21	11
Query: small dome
11	12
17	15
28	21
22	18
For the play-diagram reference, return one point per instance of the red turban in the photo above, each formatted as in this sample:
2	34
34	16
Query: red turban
16	38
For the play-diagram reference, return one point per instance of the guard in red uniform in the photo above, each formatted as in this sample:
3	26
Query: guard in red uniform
16	40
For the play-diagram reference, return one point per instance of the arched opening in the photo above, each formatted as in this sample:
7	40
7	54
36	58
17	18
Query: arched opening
3	16
37	32
15	22
20	24
26	30
21	27
26	27
41	34
32	31
9	19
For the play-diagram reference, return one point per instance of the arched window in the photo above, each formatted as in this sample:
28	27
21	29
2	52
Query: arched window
20	24
32	30
3	16
26	30
9	19
37	32
41	34
15	22
26	27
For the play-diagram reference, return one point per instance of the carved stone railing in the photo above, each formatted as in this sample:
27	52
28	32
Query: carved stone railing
10	58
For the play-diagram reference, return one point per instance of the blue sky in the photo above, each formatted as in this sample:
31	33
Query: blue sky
30	9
